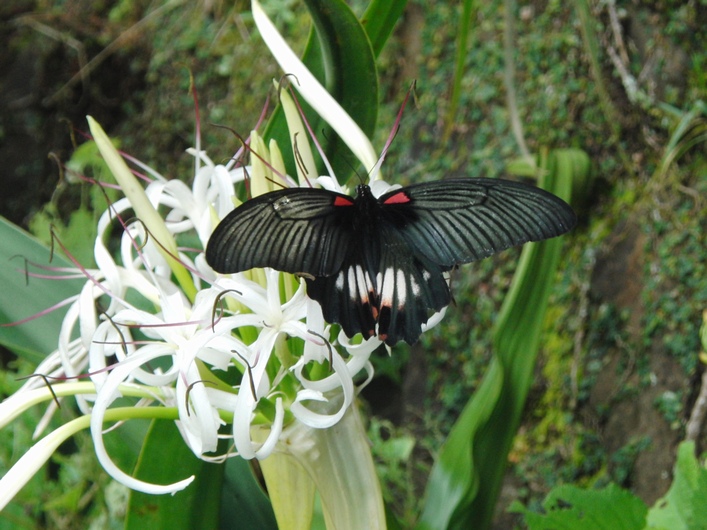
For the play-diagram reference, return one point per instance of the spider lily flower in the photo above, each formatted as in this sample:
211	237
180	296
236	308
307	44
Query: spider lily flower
159	302
162	302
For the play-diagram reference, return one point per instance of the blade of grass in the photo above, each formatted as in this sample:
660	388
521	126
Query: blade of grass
459	62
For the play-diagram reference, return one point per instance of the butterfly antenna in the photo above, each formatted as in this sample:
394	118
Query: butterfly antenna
343	157
361	179
394	131
299	160
246	146
316	143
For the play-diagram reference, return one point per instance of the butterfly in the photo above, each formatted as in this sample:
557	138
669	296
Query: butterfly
376	265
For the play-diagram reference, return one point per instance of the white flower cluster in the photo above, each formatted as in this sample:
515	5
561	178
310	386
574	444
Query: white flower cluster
155	323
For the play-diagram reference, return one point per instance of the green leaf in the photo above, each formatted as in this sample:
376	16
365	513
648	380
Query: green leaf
572	508
78	236
466	479
165	458
23	297
339	55
379	20
244	505
453	482
684	507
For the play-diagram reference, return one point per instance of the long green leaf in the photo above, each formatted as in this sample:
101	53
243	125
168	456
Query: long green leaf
339	54
23	297
380	19
466	479
165	458
244	505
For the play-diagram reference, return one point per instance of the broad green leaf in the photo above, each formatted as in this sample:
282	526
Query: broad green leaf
568	507
78	235
23	297
379	20
339	55
244	505
165	459
453	482
684	507
466	479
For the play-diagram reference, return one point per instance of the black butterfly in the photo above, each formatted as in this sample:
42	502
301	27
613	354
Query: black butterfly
375	265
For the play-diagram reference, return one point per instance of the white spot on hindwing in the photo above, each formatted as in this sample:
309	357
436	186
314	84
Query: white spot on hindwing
362	282
340	281
351	278
358	282
414	286
387	287
401	288
394	288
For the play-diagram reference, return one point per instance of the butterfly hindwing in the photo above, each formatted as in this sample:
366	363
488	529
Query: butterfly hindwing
410	288
298	230
349	297
390	293
456	221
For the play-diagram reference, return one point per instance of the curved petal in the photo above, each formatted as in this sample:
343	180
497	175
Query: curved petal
342	376
313	92
107	394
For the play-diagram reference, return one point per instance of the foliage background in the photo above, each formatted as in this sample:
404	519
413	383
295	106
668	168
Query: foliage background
618	374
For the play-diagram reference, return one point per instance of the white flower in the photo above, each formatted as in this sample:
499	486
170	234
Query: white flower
162	302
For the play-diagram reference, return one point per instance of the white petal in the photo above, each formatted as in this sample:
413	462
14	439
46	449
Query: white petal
275	432
313	92
106	396
245	405
25	468
323	421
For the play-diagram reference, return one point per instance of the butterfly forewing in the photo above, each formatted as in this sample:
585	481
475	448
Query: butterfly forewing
461	220
299	230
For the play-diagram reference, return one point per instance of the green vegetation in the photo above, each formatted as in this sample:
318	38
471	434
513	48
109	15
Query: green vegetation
620	338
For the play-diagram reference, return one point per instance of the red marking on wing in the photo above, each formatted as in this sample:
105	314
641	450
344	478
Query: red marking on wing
343	201
399	198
